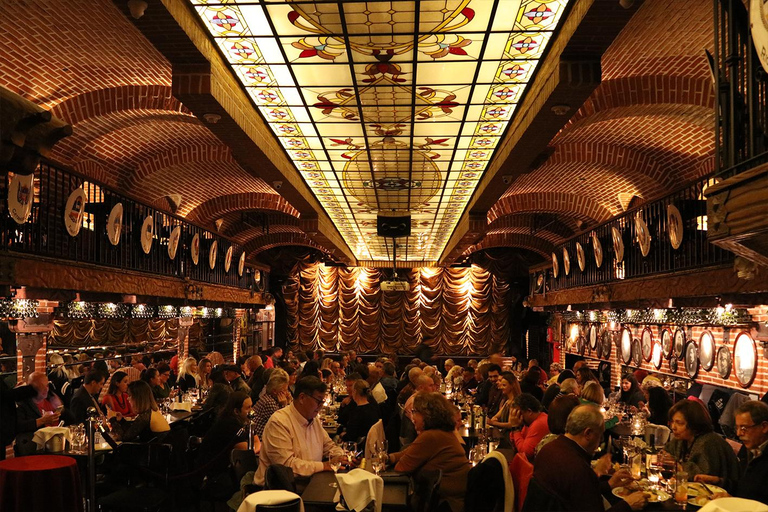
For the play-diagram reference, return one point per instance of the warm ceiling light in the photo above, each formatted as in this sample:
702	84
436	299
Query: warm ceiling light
560	110
137	8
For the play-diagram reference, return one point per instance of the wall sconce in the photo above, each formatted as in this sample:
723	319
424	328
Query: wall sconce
137	8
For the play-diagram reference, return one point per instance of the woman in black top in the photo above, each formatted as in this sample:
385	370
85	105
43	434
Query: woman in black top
631	394
530	383
659	404
230	432
365	415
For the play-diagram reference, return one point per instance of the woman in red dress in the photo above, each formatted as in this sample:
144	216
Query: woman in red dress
116	398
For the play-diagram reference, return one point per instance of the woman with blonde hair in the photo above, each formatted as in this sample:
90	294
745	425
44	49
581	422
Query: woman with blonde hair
149	421
510	389
188	377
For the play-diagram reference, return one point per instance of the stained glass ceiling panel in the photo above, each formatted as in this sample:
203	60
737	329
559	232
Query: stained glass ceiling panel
386	105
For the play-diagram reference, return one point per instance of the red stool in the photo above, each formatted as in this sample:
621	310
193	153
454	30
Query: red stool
40	483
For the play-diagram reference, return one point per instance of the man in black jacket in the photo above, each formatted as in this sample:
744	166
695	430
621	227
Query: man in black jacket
8	399
87	395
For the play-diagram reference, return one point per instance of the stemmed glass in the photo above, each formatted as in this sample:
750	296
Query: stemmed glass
379	462
335	462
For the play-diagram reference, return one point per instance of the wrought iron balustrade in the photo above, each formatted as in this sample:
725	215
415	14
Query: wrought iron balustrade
45	234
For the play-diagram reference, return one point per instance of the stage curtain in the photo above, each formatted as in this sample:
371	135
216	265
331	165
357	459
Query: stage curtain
103	332
456	311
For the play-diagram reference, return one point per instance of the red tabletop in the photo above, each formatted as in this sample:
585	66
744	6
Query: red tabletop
40	482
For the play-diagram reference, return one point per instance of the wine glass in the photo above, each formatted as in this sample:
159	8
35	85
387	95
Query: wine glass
381	446
335	462
379	462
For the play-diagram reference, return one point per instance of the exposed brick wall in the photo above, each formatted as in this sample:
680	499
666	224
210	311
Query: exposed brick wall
225	204
525	241
573	205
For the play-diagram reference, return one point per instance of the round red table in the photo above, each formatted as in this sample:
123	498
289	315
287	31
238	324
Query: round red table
40	483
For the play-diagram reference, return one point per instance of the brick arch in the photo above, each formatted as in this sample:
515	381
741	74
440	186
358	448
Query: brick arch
513	240
571	205
91	169
100	102
633	90
552	228
176	156
246	233
277	222
218	206
265	242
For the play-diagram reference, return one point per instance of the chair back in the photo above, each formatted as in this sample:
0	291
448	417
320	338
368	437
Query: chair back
426	484
376	433
485	487
521	471
151	461
660	432
279	478
541	499
288	506
242	462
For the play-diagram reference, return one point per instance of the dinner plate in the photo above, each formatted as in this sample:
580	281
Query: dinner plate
643	235
618	244
674	226
115	224
74	210
566	261
173	242
241	264
228	259
580	258
656	496
21	195
147	233
212	253
555	266
597	247
696	489
194	250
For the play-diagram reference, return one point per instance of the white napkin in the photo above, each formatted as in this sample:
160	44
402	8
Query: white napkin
42	435
509	488
734	505
181	406
268	498
359	488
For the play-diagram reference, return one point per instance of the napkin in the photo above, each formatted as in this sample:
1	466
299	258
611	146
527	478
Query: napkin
250	503
42	435
181	406
734	505
359	488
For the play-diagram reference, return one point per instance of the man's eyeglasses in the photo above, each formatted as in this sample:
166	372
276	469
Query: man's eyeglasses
741	429
320	401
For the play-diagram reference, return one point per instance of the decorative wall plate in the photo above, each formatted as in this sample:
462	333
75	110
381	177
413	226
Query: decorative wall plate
212	253
241	265
673	363
724	362
707	350
593	330
115	224
745	359
597	247
679	342
566	262
73	211
667	342
646	339
607	342
555	266
581	345
643	235
194	249
618	244
580	258
691	359
637	353
656	354
540	282
21	195
228	259
173	242
626	345
147	234
599	347
674	226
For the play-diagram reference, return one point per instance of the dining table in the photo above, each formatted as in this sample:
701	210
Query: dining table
40	483
321	491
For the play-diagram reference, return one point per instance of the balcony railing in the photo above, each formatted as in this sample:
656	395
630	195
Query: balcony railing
45	234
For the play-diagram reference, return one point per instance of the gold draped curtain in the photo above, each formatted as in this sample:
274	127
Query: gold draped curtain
82	333
456	311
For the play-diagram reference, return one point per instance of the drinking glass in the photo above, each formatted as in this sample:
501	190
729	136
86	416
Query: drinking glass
379	462
381	446
681	488
335	462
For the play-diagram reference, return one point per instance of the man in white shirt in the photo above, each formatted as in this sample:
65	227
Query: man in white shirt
377	390
294	437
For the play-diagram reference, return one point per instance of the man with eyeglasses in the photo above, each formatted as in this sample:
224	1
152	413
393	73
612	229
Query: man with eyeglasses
752	429
293	437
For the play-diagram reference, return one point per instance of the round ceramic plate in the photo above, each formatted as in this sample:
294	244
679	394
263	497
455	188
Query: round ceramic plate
194	250
21	195
673	363
667	341
724	362
555	266
618	244
674	226
679	342
115	224
599	347
597	247
643	236
647	343
606	342
566	261
626	345
228	259
652	495
593	336
147	233
241	265
580	258
540	281
581	345
212	253
745	359
707	350
173	242
73	211
691	359
656	354
637	353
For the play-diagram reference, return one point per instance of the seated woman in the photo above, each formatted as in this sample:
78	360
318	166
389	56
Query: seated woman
148	423
188	377
204	369
697	447
631	394
436	447
116	398
162	389
366	412
557	416
510	388
275	397
593	394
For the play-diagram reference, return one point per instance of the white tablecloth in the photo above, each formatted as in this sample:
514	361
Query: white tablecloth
267	498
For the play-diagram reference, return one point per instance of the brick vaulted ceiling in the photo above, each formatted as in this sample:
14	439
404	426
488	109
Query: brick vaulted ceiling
645	128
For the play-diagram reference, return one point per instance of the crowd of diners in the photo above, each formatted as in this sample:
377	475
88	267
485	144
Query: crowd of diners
555	418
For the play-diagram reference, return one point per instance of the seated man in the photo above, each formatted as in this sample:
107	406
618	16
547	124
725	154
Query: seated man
563	467
752	429
424	384
232	374
530	424
87	396
293	438
42	410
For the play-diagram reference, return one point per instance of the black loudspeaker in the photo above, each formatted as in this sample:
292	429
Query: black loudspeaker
393	227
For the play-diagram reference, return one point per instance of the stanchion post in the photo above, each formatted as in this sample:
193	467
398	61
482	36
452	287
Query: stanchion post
90	425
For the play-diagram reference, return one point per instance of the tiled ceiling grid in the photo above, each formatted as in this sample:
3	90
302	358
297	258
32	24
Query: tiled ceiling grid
386	106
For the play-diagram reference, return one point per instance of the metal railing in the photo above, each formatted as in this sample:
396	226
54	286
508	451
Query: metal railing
694	252
45	234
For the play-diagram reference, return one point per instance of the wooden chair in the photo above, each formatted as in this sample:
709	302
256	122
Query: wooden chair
426	485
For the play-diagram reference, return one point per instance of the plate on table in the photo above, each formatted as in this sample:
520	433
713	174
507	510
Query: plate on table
698	496
653	495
